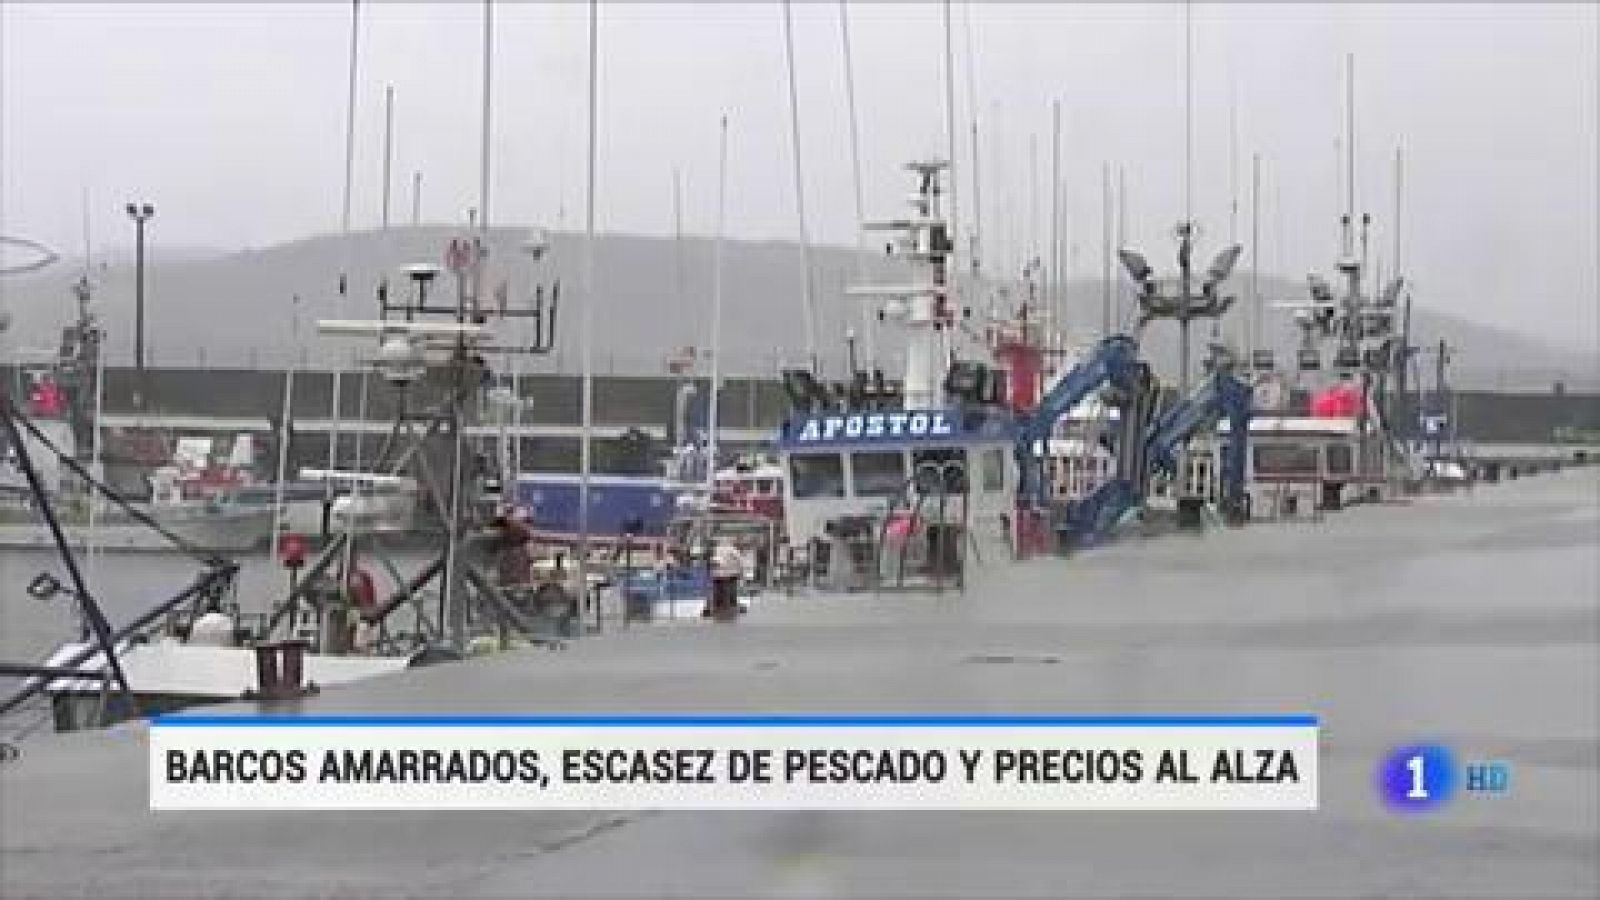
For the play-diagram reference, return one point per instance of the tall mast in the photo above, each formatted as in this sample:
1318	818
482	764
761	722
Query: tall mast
1056	285
867	320
483	147
977	170
716	307
589	300
1105	253
682	303
388	150
950	135
800	193
1254	322
344	230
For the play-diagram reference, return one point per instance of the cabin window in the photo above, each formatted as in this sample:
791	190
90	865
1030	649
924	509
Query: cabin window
878	474
1339	459
950	462
764	487
1285	459
993	469
817	475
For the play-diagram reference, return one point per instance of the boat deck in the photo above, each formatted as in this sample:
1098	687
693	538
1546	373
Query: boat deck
1468	618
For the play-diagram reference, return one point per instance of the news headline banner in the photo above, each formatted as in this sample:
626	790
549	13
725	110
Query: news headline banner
734	762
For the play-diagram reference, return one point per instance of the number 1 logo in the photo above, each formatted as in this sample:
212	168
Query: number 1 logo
1417	778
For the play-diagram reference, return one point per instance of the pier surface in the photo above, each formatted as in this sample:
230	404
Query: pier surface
1469	619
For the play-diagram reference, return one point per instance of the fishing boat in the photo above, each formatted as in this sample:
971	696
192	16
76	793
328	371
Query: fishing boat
63	440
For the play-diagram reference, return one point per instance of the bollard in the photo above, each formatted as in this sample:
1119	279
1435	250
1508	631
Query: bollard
1189	509
267	681
294	661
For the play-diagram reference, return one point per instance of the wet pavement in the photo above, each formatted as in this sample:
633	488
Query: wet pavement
1471	619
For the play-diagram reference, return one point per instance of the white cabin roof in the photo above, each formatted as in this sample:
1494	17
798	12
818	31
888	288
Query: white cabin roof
168	667
1307	425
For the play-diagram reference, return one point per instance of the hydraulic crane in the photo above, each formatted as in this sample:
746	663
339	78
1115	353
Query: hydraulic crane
1142	447
1219	396
1115	364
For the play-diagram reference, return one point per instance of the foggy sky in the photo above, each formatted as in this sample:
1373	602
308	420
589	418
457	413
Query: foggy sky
230	119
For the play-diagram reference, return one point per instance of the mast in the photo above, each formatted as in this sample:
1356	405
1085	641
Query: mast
416	197
589	299
867	320
950	136
1056	296
800	193
1253	336
972	104
715	401
1105	249
388	150
283	433
483	157
344	231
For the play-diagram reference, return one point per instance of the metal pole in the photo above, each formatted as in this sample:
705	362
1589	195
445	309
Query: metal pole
800	192
1105	254
138	296
283	440
483	163
972	105
90	609
715	400
344	230
677	256
585	444
950	135
1056	292
388	150
416	198
855	169
1255	256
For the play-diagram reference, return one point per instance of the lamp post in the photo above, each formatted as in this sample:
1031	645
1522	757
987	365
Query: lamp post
140	213
1179	300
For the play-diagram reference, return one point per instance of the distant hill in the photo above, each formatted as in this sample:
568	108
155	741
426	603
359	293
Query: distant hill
238	310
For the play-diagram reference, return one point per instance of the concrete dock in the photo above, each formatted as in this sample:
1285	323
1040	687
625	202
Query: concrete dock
1471	619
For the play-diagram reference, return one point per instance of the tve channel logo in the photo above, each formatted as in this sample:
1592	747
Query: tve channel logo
1424	777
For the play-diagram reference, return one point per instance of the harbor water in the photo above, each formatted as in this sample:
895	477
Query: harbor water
1471	619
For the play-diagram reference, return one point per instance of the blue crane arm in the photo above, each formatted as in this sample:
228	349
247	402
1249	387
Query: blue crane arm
1115	361
1220	396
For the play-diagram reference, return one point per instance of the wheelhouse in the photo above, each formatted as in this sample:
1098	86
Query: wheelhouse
953	468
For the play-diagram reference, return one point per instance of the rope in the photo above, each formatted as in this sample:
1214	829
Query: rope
200	554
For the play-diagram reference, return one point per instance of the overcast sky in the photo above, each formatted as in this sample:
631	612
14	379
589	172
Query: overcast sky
230	119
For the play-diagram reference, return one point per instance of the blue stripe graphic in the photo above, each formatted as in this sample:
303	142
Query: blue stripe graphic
703	720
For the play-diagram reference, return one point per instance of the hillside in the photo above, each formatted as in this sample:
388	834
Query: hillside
239	310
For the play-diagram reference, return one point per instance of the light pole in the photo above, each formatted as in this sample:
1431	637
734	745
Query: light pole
1180	301
140	213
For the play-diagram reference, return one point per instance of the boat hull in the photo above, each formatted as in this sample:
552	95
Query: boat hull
232	531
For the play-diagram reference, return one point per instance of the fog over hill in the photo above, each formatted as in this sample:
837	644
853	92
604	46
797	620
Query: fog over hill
653	295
